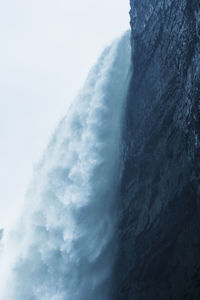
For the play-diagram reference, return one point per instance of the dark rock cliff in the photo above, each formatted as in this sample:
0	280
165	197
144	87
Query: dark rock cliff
160	195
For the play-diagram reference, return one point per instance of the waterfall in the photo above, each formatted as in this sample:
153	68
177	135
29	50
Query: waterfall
64	245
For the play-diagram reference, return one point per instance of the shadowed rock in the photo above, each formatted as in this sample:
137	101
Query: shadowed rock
159	254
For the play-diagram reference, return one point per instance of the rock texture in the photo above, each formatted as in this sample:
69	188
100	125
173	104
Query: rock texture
159	254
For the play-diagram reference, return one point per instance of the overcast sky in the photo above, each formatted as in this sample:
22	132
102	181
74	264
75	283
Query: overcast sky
46	49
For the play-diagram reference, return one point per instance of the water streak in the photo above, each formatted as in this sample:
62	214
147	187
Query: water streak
64	246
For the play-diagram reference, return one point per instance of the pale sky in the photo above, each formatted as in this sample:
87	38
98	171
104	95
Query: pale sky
46	49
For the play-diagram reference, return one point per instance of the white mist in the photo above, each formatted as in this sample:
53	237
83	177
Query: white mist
65	243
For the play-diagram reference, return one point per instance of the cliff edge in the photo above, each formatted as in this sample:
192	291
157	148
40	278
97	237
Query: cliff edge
160	193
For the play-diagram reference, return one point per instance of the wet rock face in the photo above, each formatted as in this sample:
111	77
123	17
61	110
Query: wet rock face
141	11
159	254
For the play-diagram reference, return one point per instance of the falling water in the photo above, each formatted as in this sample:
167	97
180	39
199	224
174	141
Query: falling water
65	243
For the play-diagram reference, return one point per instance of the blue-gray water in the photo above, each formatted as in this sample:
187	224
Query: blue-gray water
65	243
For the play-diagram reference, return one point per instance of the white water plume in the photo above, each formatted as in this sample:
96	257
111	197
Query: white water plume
65	243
